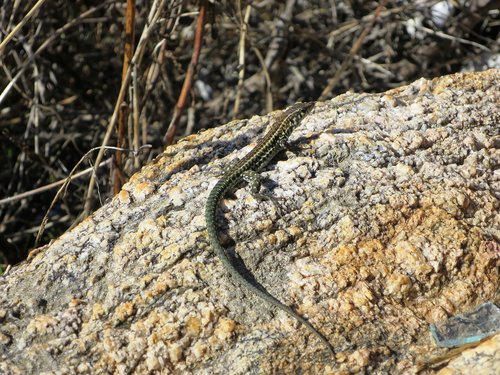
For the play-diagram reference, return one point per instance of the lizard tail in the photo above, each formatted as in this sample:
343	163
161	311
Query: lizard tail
210	210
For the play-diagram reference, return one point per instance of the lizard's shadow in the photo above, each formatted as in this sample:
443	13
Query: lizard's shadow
239	264
230	244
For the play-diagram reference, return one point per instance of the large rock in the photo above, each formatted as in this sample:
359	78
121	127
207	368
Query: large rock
389	222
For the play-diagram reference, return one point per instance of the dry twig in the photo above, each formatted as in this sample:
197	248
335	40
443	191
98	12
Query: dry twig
18	27
241	74
118	173
181	102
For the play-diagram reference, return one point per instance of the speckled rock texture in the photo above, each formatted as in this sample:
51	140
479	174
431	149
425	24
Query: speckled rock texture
388	222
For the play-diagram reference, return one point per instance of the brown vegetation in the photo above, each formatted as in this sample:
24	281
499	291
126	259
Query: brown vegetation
63	92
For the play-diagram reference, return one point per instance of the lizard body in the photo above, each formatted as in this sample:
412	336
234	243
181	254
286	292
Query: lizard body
247	169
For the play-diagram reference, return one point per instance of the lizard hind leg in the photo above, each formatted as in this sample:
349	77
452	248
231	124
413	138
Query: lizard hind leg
253	179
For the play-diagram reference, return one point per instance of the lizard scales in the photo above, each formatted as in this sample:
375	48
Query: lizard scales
245	170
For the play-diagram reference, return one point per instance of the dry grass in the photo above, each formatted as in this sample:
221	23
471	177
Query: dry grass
63	90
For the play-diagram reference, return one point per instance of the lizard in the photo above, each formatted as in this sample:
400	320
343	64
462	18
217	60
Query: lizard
247	170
